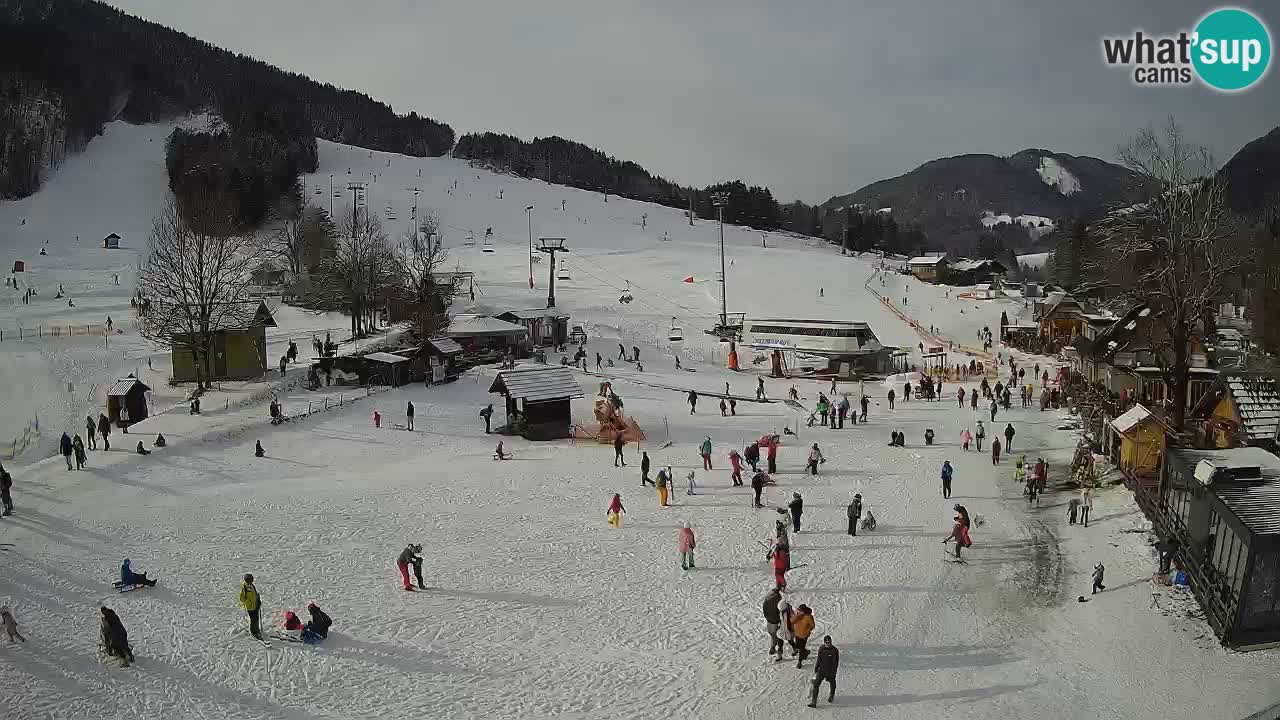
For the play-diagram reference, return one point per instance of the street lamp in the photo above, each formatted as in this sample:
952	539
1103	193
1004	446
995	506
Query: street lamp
528	211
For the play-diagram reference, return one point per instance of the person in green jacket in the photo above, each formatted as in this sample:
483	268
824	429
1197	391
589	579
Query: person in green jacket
705	451
251	603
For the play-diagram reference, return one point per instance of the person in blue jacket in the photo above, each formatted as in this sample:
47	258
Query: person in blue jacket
946	479
129	577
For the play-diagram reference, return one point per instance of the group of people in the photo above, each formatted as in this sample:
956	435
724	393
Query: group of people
785	626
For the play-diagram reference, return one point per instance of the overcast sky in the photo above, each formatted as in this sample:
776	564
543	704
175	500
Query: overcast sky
813	98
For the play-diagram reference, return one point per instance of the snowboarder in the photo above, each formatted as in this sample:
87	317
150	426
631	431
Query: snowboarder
980	435
825	668
487	413
757	487
67	448
115	639
796	506
664	486
966	437
90	433
10	625
855	514
801	628
815	459
773	621
891	397
760	389
735	463
6	486
865	404
615	511
687	544
252	604
128	577
77	447
693	401
619	442
1008	437
644	469
946	479
258	450
409	555
408	415
1098	572
995	451
705	451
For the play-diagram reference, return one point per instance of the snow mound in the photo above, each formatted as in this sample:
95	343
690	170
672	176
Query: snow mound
1056	176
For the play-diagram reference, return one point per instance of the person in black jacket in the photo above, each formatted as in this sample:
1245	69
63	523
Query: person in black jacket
618	444
693	401
320	622
757	487
773	621
408	415
752	455
644	469
825	669
104	429
797	509
66	447
6	484
115	639
855	514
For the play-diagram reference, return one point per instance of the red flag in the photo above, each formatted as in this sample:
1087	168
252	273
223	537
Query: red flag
689	279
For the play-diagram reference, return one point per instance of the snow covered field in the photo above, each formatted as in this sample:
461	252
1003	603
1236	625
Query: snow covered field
535	607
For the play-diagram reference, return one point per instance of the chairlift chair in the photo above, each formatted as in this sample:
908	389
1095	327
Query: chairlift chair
471	239
488	245
563	274
319	191
676	333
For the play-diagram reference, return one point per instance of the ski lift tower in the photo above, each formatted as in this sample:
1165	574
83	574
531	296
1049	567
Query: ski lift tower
723	329
551	246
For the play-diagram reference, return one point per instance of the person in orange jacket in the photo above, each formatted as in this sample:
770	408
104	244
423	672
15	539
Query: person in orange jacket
802	626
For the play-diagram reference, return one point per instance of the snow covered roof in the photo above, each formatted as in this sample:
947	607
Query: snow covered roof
535	314
1257	399
537	383
1130	419
1254	500
472	325
124	385
448	346
927	260
976	265
386	357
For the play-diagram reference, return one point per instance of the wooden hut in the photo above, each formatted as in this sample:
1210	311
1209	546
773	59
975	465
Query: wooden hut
537	400
127	401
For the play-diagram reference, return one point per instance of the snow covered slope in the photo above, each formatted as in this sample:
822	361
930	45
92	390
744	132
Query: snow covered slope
534	607
1056	176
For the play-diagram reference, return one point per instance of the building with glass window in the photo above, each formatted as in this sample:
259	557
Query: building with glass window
1222	510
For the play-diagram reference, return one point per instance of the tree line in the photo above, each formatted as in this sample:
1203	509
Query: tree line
71	66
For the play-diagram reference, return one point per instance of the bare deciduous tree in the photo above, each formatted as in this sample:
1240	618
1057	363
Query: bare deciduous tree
194	280
354	277
288	242
423	292
1175	251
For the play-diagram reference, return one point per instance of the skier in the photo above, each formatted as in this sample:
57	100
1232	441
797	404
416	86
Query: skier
252	604
115	639
615	511
946	479
258	450
319	623
10	625
705	451
802	627
687	544
815	459
735	462
693	401
980	434
796	506
619	442
773	621
6	485
90	433
825	668
865	404
966	437
1098	572
1008	437
995	451
757	487
752	455
644	469
487	414
781	564
128	577
77	447
664	486
408	415
891	397
67	448
407	556
760	389
855	514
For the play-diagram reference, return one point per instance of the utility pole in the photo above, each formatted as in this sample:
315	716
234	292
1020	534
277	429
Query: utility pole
691	209
719	200
551	246
330	197
528	211
413	213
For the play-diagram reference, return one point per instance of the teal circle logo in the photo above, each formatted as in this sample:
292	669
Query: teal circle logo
1231	49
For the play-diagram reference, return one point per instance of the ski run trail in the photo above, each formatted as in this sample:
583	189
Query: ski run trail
535	606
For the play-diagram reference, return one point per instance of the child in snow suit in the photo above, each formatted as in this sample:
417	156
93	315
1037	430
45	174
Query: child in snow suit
251	603
664	486
115	639
616	510
825	669
10	625
802	627
129	577
141	450
705	451
687	544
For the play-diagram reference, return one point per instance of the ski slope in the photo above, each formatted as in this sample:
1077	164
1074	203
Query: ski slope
535	608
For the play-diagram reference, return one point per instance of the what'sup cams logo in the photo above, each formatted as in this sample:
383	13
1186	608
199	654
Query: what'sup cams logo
1229	50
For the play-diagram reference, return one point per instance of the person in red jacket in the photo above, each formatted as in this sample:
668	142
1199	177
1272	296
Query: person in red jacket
735	461
616	510
773	457
687	544
781	564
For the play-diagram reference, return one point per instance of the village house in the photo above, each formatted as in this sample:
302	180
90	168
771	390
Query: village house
928	268
1238	411
236	353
